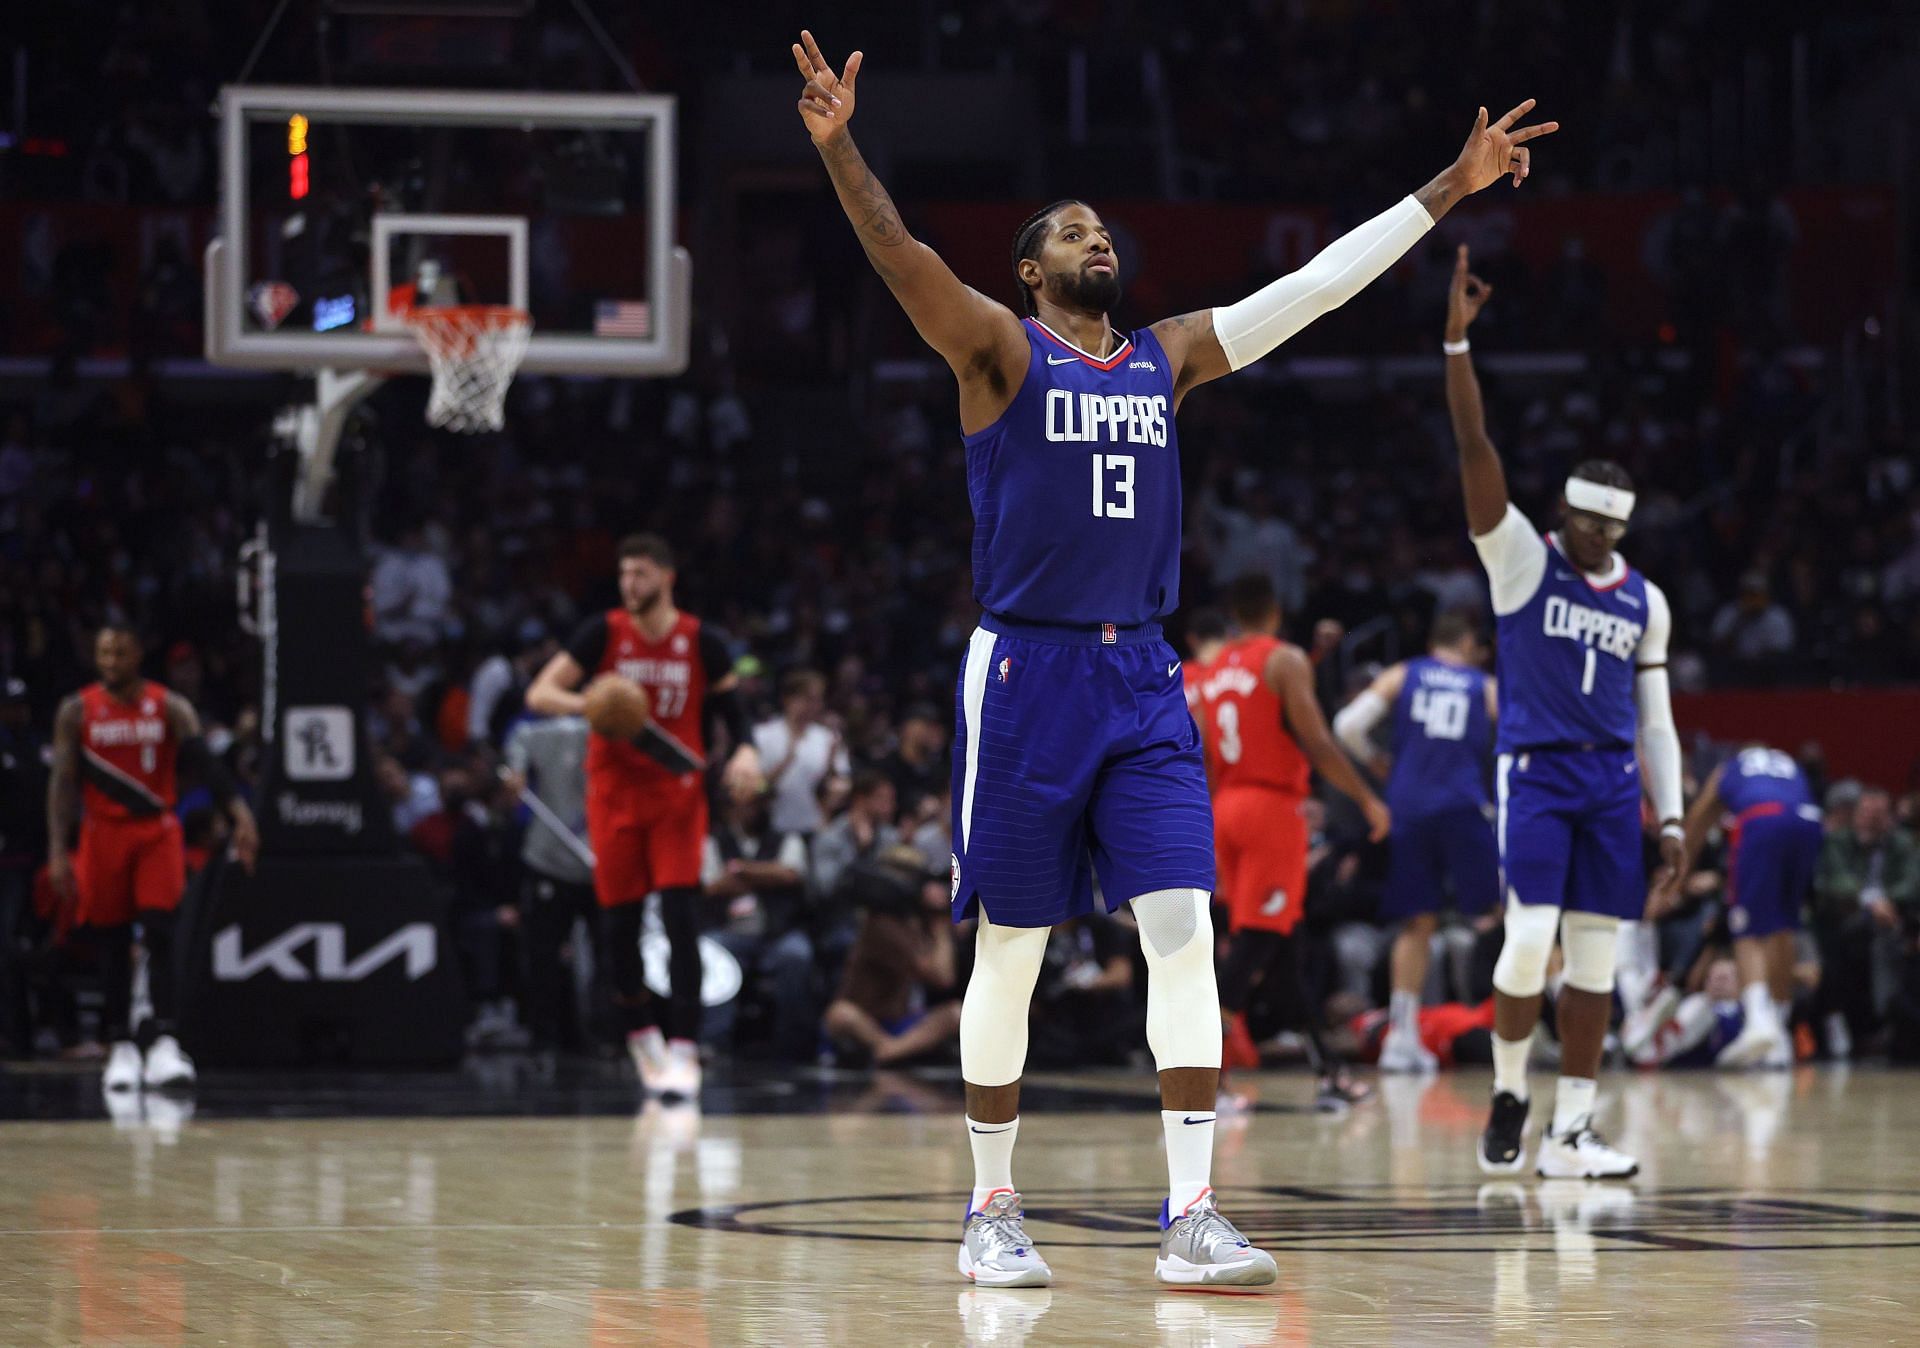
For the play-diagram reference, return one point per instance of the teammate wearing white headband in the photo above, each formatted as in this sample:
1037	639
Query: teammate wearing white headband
1583	653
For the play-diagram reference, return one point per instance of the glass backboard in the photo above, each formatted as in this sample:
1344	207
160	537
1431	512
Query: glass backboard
341	207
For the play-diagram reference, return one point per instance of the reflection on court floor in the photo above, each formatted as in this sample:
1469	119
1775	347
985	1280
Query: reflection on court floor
1779	1209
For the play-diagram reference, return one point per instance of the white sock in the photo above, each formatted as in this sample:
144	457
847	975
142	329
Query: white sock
992	1158
1758	1005
1573	1104
1404	1012
1189	1156
1510	1065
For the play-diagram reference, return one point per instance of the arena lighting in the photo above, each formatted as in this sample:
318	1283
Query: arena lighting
297	169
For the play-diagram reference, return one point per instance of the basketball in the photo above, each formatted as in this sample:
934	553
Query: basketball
617	708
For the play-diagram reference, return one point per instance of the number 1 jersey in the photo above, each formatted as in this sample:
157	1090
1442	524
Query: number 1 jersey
1076	488
1570	644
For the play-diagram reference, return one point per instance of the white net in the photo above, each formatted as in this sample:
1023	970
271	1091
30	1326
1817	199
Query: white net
474	350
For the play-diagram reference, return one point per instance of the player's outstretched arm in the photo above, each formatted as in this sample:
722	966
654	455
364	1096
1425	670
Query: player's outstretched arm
1212	342
976	335
1289	675
1481	477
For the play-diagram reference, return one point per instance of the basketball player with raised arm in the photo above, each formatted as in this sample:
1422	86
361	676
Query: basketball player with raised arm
1074	753
1443	707
1583	675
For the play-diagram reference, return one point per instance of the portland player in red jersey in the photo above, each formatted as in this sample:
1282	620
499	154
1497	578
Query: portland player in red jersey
116	745
647	799
1265	735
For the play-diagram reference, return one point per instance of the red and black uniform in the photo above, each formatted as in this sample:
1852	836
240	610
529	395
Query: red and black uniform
131	858
1261	779
647	822
647	803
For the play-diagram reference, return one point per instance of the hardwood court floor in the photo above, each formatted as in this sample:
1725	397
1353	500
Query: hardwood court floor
1779	1210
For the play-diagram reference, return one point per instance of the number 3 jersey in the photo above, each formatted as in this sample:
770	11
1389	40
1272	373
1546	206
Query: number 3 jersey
1076	488
1245	722
1442	740
1569	643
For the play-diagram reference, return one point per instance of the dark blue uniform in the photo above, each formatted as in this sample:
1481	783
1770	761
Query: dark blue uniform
1074	755
1442	817
1773	848
1567	782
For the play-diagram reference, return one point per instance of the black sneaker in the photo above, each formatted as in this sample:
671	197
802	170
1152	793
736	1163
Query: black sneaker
1503	1146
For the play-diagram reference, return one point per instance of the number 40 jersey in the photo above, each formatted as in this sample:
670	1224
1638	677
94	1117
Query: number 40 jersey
1442	740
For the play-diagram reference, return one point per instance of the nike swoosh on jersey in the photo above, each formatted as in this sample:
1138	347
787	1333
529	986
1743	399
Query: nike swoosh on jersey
1061	360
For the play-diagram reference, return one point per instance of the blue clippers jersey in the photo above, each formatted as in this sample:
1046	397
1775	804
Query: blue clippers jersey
1760	776
1567	660
1442	736
1076	489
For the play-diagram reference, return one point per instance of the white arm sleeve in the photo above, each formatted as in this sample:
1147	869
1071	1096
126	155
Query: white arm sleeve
1515	557
1659	739
1353	723
1254	326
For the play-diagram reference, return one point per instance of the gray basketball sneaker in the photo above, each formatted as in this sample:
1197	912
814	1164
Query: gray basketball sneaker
1202	1247
994	1249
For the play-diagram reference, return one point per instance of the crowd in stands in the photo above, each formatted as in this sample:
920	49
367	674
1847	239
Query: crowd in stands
842	586
1779	509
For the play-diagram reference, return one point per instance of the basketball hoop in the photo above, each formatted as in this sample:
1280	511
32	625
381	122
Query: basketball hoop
474	350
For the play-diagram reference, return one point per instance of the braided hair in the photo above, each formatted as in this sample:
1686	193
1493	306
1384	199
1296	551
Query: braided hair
1026	244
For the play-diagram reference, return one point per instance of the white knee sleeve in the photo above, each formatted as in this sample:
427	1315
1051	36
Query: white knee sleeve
993	1015
1531	929
1183	1001
1591	946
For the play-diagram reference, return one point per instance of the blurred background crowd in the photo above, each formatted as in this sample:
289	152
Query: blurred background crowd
809	471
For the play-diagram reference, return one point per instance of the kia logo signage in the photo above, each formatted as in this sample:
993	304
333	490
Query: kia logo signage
317	952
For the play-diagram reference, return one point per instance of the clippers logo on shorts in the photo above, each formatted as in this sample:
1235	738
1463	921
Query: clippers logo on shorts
1108	634
1076	488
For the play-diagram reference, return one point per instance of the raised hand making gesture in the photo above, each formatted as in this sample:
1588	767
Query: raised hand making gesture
1465	296
826	103
1493	151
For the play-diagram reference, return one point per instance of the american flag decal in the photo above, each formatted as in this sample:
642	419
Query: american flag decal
622	318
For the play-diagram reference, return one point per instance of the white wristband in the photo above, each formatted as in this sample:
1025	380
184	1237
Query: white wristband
1459	348
1674	830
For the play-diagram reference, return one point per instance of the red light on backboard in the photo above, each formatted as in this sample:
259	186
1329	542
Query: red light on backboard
297	177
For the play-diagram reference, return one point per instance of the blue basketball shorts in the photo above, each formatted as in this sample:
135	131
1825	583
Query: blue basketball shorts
1075	760
1772	853
1569	828
1423	851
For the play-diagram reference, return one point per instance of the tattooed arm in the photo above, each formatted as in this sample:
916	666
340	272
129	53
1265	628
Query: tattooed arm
980	339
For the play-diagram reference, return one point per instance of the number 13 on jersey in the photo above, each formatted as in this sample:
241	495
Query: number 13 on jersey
1113	486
